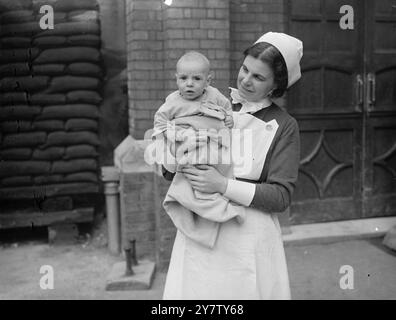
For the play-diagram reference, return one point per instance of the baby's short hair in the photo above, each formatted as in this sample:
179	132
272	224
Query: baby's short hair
194	56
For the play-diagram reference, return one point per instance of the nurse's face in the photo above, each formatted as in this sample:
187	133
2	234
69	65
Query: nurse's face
255	79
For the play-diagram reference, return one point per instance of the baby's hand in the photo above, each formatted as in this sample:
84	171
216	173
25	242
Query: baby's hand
229	121
174	135
179	136
170	135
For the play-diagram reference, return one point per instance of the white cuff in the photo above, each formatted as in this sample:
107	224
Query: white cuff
240	192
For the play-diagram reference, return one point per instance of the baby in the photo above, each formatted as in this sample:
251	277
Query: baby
194	97
194	108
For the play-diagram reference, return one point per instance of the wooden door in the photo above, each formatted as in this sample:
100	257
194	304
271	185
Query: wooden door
379	179
328	104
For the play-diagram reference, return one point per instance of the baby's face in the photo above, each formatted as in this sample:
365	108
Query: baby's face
192	78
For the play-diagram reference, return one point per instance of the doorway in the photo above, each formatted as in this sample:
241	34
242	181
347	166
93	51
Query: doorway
345	105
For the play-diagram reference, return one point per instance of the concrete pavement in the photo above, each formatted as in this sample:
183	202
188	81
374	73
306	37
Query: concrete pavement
317	270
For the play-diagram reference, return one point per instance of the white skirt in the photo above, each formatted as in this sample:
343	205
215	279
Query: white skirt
247	262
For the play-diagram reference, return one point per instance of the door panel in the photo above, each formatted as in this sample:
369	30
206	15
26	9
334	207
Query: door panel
329	185
380	178
332	58
325	103
384	160
380	111
381	53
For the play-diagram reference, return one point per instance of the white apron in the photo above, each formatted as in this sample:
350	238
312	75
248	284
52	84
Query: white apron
247	262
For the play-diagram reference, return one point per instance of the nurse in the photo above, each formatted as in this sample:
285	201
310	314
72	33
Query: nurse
248	260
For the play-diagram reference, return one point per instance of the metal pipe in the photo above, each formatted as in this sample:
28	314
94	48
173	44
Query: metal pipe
133	252
128	260
111	191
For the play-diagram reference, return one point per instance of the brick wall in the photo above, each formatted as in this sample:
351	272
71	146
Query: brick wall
197	25
249	19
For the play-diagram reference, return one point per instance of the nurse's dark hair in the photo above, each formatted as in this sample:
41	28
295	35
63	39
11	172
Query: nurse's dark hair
269	54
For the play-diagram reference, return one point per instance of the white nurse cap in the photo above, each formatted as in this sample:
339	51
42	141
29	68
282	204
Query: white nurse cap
291	49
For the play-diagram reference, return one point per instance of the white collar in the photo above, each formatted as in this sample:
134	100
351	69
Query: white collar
248	106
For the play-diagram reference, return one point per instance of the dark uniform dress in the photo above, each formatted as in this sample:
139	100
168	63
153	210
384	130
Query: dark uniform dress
248	260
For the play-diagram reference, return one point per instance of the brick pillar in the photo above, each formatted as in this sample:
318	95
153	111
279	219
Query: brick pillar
145	63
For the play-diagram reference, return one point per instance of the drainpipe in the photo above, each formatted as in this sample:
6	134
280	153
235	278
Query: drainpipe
111	179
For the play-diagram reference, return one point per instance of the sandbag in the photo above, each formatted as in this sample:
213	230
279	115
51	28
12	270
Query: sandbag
16	16
87	40
47	99
18	55
73	166
16	42
49	69
70	5
53	153
16	181
83	15
81	176
72	28
16	154
80	151
84	69
47	179
60	138
23	168
83	96
19	112
48	125
50	41
81	125
27	83
14	98
31	139
15	126
68	55
29	29
8	5
68	111
14	69
69	83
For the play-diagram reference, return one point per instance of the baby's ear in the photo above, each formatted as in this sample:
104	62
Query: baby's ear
209	78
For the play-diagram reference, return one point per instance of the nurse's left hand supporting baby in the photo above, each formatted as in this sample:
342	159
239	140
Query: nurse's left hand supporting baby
205	178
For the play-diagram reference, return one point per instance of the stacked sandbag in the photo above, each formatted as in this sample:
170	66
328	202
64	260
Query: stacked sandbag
50	91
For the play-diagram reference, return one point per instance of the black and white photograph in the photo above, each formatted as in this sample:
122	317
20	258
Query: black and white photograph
212	152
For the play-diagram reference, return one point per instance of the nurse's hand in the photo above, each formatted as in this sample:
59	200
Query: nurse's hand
205	178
